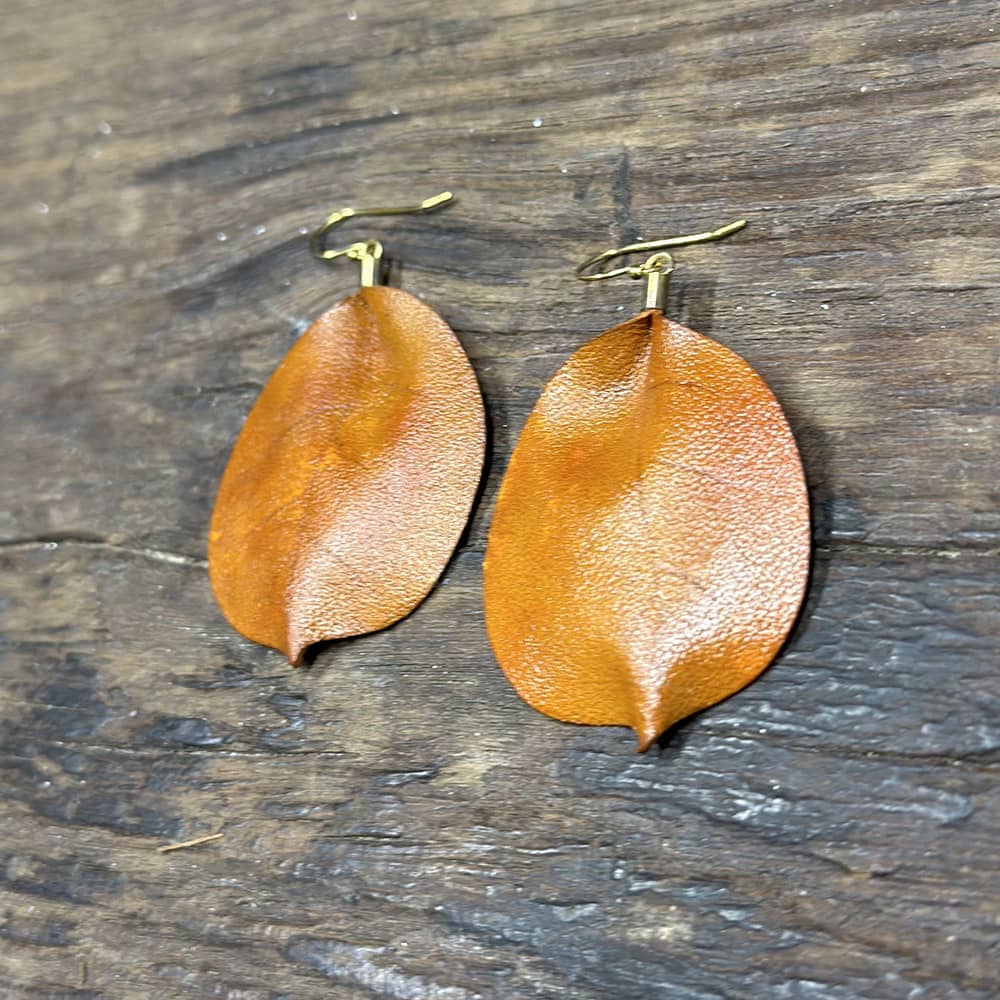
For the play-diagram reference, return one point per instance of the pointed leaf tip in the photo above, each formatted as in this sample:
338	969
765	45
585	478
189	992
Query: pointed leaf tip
295	654
646	738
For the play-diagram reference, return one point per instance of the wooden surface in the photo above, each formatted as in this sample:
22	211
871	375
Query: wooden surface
396	822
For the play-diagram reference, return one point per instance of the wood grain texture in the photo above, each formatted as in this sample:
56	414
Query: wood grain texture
397	823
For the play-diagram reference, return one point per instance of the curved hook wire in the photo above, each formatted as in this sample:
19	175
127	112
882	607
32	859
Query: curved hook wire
368	252
656	269
649	265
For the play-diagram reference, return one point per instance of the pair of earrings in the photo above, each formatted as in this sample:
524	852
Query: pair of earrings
650	546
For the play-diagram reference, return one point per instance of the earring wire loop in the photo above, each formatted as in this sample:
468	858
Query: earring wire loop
642	270
655	269
367	252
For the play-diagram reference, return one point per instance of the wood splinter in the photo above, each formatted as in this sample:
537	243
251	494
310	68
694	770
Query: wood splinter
195	842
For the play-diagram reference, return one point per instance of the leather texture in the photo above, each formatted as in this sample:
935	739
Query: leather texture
650	546
352	479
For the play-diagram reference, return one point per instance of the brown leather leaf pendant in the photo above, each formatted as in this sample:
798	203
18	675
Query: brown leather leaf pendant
650	546
352	479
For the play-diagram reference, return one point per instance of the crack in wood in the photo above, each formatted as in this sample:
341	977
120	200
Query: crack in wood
829	545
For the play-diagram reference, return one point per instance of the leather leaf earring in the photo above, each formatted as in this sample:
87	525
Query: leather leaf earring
354	474
650	546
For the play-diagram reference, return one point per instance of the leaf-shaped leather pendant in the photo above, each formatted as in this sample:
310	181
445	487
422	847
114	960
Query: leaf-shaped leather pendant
352	479
650	546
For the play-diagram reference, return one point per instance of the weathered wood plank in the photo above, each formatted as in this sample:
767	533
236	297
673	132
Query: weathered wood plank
867	182
871	668
399	791
397	823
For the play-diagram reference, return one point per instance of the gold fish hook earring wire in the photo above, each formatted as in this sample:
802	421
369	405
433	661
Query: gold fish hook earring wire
656	269
368	252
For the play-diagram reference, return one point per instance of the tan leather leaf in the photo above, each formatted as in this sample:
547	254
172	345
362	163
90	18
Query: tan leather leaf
650	546
352	479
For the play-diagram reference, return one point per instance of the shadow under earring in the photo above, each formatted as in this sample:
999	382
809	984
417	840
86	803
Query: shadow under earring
353	477
650	546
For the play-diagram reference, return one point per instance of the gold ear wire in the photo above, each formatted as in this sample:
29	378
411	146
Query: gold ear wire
368	252
656	269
